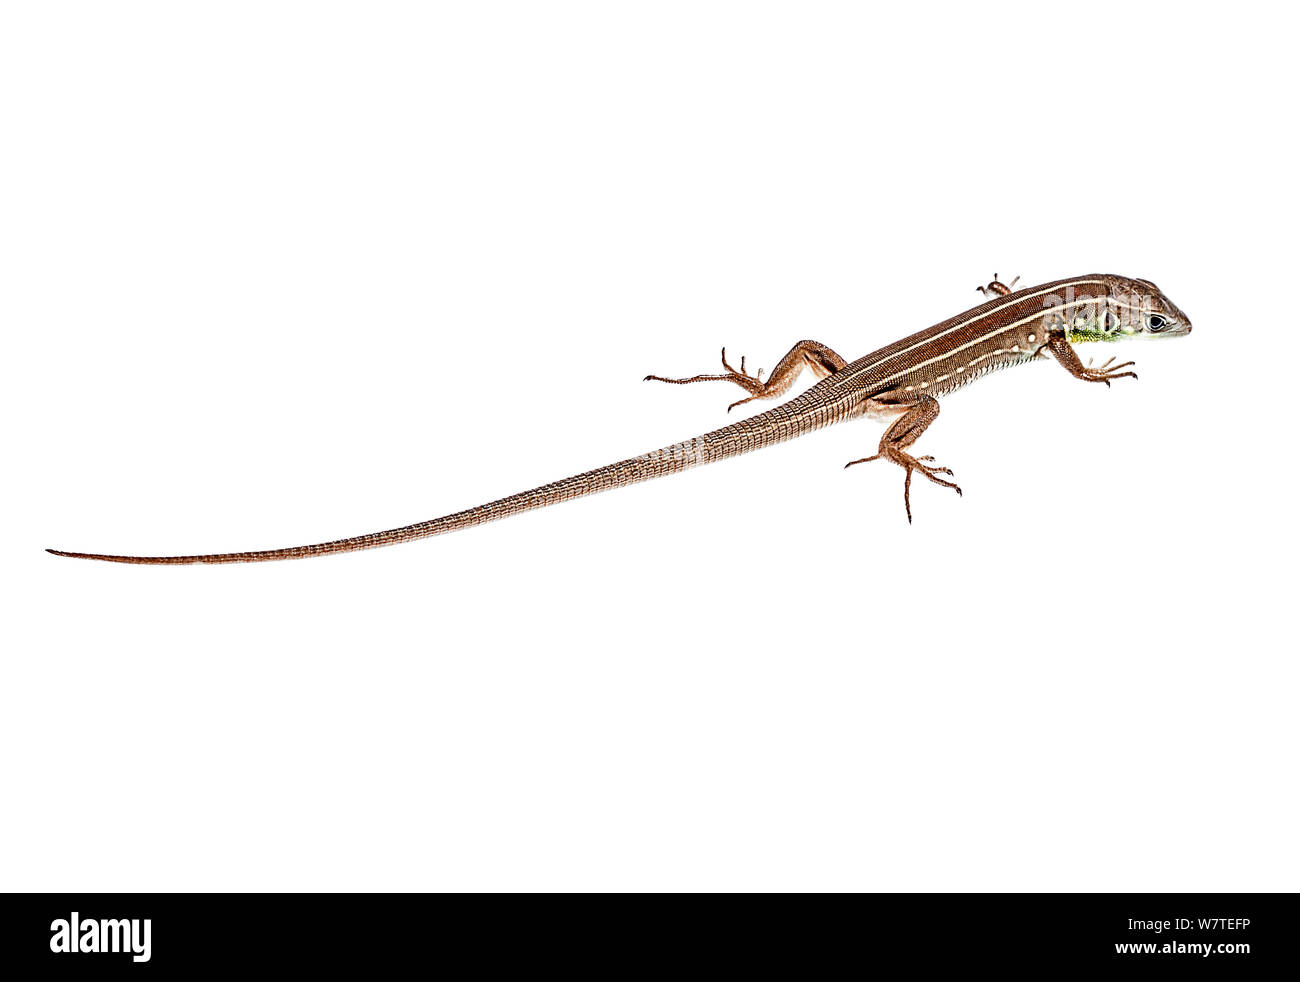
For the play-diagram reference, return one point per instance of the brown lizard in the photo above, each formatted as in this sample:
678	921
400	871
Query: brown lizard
901	382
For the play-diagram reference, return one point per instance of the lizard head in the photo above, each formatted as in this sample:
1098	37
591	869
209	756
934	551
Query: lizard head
1131	309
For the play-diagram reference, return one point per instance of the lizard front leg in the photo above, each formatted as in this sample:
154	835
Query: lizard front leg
1069	359
997	287
811	354
905	431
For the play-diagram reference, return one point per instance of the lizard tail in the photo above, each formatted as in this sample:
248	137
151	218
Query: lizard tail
794	418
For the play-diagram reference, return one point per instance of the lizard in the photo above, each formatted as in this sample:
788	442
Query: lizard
899	384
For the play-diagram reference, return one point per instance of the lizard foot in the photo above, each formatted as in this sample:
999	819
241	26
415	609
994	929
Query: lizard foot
753	384
1107	371
997	287
909	463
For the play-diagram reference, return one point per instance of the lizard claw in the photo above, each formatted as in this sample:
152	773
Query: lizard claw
911	464
742	373
1105	374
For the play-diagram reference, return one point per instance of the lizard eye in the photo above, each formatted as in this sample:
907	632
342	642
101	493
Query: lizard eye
1156	323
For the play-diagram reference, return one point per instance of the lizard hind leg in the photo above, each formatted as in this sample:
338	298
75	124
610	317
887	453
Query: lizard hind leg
811	354
905	431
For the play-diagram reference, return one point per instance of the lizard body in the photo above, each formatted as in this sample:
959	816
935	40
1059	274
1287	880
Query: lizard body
900	382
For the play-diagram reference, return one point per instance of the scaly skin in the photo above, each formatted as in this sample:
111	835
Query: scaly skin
901	382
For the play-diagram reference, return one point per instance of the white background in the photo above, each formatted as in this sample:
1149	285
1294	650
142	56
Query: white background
278	273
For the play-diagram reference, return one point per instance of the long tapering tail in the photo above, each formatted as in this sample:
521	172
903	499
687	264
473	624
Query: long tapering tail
808	412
